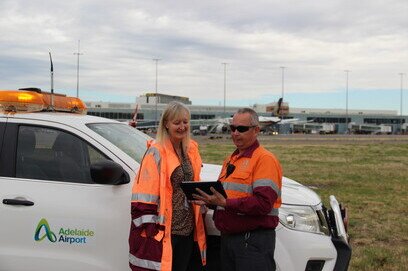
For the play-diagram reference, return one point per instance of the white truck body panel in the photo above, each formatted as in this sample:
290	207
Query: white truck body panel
105	210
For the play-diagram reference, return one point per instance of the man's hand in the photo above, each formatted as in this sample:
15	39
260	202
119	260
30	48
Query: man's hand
215	199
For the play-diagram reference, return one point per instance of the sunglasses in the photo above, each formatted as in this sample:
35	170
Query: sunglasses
241	128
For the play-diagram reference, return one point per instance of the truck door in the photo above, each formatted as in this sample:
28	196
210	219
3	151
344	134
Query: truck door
52	216
2	130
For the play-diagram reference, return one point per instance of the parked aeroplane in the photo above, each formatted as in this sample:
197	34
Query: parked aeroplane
265	123
221	125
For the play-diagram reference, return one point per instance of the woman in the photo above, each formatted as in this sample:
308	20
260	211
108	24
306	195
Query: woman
164	225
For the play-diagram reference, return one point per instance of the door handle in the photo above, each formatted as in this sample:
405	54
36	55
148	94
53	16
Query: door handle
22	202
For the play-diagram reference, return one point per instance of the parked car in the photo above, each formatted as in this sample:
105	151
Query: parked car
65	188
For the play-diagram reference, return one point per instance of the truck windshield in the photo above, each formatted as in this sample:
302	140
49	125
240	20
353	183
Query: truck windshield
126	138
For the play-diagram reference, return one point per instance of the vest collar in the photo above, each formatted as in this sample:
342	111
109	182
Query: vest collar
168	146
248	152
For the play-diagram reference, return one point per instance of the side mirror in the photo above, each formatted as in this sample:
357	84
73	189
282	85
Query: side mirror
109	172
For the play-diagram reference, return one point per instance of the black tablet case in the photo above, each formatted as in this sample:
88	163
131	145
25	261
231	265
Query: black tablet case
189	188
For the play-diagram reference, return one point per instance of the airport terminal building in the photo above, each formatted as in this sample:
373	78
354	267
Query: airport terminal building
305	120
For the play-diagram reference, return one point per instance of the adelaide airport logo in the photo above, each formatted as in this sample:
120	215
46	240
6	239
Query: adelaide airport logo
44	227
66	235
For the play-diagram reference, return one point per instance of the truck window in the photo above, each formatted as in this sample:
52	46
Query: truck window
126	138
51	154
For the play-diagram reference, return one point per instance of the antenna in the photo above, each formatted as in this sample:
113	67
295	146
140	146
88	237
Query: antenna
52	82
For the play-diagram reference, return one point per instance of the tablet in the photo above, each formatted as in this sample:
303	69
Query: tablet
189	188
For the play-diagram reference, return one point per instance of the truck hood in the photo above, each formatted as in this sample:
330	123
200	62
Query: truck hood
292	192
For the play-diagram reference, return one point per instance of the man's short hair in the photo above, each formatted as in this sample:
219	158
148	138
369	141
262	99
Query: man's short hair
254	115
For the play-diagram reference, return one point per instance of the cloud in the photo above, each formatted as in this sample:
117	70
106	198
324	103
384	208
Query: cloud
315	40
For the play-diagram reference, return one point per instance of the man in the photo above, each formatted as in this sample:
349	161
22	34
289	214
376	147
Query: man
247	218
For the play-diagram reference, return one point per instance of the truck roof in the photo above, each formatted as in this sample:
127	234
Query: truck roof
62	117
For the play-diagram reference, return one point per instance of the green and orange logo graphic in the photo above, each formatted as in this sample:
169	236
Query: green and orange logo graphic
48	233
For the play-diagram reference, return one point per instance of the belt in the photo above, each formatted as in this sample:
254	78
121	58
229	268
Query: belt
248	232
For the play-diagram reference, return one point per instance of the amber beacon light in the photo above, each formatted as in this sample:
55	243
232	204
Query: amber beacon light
34	100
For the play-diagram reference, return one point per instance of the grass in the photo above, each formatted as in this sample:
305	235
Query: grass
369	177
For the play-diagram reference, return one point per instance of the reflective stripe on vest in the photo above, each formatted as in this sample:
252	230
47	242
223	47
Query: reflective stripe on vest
148	219
245	188
146	198
203	254
273	212
156	155
144	263
267	182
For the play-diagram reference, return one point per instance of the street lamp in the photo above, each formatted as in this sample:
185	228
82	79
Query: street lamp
225	85
283	81
78	54
347	117
402	79
157	96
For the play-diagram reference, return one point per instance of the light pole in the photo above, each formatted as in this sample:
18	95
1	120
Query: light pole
225	85
157	96
78	54
347	117
283	81
402	79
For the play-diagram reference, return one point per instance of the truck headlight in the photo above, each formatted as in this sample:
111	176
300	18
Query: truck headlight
303	218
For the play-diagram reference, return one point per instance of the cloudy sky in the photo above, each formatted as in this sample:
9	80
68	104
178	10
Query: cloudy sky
315	40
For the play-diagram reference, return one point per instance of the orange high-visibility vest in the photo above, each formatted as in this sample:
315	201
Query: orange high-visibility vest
153	186
243	180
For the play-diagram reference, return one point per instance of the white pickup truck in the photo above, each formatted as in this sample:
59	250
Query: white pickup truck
65	188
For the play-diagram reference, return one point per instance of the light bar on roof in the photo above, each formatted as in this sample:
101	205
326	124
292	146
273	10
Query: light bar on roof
14	101
32	101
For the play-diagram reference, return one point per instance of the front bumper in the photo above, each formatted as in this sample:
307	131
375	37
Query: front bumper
295	249
343	254
338	223
299	250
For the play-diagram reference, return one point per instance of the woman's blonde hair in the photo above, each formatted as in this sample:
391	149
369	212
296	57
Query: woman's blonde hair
174	110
